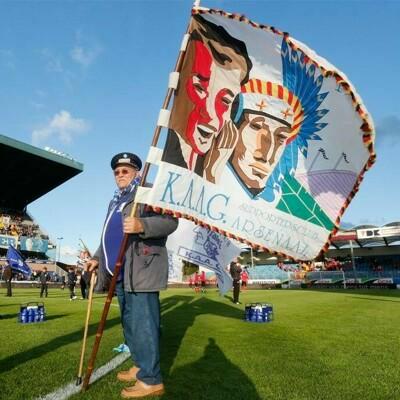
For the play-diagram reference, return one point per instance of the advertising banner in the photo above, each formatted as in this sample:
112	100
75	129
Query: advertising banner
7	241
37	245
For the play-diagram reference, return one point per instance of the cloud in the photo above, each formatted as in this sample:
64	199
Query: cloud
377	221
346	225
37	105
85	51
83	56
63	126
68	254
40	93
388	131
67	250
53	62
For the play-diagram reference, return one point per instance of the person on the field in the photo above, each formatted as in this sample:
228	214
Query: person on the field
144	274
85	283
71	283
244	276
203	281
196	282
44	279
7	276
235	270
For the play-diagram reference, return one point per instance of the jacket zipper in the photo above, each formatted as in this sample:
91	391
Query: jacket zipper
131	266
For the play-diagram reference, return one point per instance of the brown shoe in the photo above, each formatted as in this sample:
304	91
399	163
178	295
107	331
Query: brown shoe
141	389
128	376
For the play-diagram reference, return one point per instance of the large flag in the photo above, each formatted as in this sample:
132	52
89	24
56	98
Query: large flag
16	261
205	248
267	142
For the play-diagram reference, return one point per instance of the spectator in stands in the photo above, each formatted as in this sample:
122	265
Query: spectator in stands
71	283
19	225
244	276
235	271
13	230
44	279
7	276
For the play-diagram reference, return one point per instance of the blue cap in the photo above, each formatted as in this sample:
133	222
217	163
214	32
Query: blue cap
128	159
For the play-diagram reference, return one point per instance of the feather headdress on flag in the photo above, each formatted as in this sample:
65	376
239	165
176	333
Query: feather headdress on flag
295	103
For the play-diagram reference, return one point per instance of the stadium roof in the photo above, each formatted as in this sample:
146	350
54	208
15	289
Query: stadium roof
368	236
28	172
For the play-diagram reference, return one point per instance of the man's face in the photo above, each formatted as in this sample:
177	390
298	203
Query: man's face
124	175
209	90
260	146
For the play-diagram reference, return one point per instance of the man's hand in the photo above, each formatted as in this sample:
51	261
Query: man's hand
133	225
91	265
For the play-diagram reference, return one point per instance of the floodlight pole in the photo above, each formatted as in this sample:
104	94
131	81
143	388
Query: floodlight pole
344	279
352	259
59	254
124	244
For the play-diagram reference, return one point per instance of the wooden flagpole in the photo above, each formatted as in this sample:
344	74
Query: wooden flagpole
122	250
88	313
84	340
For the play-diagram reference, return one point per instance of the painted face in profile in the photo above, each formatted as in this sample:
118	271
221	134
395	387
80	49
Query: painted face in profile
203	101
260	145
211	89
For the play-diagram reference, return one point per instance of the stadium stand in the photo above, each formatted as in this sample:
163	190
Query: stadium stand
363	255
47	169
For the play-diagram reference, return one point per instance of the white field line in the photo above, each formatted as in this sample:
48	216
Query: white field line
98	302
71	388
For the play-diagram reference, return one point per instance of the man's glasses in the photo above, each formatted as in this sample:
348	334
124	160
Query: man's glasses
122	171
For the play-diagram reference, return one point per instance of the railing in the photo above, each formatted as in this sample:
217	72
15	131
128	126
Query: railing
349	276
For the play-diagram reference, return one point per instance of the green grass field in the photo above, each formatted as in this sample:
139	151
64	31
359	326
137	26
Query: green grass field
322	345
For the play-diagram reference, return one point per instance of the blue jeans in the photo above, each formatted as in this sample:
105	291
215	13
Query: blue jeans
119	289
141	323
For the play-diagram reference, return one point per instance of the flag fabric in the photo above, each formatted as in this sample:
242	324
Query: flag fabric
205	248
16	261
175	274
267	141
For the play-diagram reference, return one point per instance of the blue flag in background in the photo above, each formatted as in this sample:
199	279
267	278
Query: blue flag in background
16	261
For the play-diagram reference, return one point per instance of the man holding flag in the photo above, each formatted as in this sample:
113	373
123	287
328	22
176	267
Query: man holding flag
16	261
145	273
7	276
